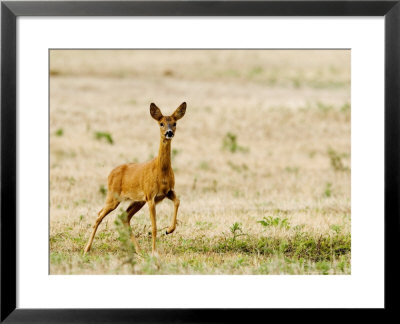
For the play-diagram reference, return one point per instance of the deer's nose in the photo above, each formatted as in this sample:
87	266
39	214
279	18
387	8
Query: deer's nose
169	133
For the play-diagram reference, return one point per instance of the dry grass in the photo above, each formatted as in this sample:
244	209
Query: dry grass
266	133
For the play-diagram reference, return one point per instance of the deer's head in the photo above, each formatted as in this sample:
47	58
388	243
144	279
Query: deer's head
167	123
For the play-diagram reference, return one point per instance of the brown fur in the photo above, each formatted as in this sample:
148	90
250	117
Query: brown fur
143	183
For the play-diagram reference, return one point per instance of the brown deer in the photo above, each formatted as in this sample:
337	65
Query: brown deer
149	182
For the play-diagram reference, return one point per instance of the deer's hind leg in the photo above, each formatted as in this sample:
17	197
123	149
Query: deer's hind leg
130	211
111	204
172	196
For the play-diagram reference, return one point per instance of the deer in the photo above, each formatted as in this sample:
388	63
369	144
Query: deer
142	183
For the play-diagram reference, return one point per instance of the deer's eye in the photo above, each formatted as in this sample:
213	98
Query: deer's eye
174	124
161	124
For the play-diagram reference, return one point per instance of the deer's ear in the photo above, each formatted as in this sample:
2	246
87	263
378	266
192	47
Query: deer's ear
155	112
180	111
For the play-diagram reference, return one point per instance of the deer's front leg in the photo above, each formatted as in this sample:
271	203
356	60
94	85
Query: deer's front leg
172	196
152	208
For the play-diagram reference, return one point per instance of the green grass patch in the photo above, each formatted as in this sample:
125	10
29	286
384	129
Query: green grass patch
301	245
104	135
229	143
59	132
336	160
103	190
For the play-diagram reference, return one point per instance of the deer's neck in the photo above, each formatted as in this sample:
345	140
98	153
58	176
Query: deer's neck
164	155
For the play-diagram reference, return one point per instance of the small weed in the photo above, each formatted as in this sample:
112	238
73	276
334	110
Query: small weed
328	190
104	135
236	230
336	160
59	132
71	180
103	190
230	143
275	222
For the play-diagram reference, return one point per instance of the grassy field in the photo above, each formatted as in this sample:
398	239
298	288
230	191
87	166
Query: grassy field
261	160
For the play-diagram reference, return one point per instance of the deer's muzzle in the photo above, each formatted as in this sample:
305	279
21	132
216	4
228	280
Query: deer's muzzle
169	134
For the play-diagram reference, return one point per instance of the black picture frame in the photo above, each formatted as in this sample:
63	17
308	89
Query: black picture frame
10	10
